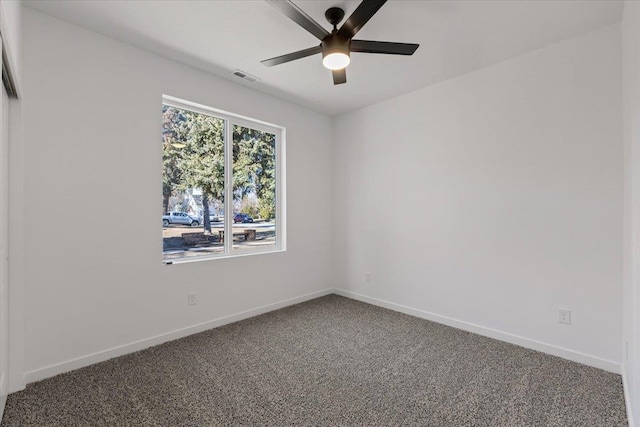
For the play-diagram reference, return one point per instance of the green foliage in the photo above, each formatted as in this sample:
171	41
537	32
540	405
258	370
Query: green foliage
195	148
201	161
171	173
267	208
252	211
193	157
254	167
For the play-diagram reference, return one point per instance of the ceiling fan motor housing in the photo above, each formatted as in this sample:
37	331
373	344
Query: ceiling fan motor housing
335	43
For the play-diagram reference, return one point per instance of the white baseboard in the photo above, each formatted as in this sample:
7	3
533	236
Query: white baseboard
101	356
80	362
564	353
627	397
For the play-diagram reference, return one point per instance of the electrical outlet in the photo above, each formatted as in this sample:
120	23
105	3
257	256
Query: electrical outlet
191	298
367	277
564	316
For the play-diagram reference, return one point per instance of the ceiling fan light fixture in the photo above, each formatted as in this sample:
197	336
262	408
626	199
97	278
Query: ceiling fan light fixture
336	52
336	61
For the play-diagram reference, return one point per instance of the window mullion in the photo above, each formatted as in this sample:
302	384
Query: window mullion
228	186
280	192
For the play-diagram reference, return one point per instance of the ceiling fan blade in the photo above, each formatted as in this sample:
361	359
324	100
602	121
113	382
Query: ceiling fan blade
297	15
292	56
359	17
389	48
339	76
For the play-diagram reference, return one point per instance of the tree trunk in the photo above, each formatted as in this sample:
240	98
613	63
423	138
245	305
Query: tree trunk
205	213
165	203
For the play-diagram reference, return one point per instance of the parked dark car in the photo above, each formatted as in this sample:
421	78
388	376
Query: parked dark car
242	218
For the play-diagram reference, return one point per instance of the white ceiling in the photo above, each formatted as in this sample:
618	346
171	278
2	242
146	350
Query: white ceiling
455	37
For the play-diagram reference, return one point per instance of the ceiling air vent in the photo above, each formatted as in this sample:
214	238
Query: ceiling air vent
245	76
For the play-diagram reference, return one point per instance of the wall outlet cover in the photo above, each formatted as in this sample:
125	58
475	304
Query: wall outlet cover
191	298
564	316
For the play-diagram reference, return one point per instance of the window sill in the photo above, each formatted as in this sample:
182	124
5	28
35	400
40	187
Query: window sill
187	260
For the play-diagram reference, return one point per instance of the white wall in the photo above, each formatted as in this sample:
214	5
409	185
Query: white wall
631	114
4	248
11	32
494	199
93	275
16	246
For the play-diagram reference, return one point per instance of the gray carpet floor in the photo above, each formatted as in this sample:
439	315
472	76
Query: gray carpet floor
327	362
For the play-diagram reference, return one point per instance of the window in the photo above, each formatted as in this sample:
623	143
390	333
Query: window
222	183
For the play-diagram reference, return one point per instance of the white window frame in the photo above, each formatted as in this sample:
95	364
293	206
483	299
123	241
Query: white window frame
231	119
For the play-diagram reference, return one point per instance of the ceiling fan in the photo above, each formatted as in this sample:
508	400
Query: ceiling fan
337	45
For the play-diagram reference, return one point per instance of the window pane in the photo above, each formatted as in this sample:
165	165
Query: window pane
254	188
192	183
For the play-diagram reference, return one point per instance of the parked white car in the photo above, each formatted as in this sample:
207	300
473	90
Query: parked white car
179	218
